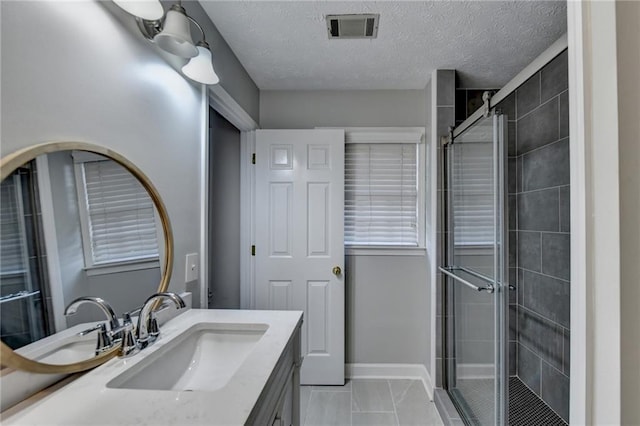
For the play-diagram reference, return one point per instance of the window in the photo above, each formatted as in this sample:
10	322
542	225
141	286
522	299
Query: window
383	189
473	194
116	212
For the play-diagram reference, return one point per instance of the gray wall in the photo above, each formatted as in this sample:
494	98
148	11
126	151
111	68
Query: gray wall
387	312
110	89
628	34
387	299
306	109
224	213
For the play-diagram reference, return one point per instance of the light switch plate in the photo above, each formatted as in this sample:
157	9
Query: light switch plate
191	267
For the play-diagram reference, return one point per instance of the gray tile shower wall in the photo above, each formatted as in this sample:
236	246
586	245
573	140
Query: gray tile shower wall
539	228
24	320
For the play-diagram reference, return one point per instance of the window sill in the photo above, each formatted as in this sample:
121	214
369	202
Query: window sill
385	251
114	268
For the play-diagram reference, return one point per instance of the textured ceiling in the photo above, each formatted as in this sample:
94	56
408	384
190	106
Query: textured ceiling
284	45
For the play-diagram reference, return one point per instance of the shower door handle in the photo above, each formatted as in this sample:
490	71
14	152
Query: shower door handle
489	288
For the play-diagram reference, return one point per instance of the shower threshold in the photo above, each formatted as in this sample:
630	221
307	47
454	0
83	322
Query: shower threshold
525	407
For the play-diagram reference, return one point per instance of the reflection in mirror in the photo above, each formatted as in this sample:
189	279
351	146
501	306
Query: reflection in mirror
73	223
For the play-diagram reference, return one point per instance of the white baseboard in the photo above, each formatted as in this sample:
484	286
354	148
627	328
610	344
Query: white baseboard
391	371
475	371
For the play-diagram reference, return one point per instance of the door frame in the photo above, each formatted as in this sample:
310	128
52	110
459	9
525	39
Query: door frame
595	386
222	102
247	220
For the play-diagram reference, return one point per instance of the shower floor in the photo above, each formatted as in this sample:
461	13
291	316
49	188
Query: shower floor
525	407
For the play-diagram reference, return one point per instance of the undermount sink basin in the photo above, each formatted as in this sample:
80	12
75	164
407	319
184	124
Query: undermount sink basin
204	358
70	352
66	347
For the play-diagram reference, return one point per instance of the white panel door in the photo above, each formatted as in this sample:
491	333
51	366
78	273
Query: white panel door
299	240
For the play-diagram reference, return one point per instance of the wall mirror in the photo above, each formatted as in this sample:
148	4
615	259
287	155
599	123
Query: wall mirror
76	220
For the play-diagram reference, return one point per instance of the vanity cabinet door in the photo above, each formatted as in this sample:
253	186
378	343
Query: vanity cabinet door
287	404
283	416
279	403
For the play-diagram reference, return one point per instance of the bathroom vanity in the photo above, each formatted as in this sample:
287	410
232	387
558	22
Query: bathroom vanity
214	367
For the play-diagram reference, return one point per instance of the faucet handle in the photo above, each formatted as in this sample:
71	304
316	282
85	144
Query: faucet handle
90	330
105	338
134	312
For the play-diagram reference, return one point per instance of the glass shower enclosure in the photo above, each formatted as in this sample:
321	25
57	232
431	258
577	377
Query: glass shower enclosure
476	271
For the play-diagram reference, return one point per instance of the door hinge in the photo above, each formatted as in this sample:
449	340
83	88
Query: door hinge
253	250
253	158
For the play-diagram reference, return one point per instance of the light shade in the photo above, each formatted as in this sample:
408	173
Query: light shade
200	68
151	10
175	36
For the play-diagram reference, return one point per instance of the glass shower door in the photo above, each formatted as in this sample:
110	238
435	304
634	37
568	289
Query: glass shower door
476	253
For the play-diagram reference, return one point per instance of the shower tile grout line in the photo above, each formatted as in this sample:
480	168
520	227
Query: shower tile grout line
543	360
542	189
557	95
541	273
556	323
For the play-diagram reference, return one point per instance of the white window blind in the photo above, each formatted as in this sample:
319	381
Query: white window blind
12	260
120	213
381	194
473	194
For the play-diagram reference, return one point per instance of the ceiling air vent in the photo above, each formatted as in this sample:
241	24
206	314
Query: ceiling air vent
353	26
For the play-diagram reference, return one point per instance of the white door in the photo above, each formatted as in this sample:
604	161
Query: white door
299	240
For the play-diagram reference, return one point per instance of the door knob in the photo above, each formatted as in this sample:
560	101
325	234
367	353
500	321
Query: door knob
336	271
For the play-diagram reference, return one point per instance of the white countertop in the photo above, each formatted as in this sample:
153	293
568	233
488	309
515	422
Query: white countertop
88	401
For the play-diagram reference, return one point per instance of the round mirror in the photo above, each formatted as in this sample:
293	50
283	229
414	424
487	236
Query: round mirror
76	220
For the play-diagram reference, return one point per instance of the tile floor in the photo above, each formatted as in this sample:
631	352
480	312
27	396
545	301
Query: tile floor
370	402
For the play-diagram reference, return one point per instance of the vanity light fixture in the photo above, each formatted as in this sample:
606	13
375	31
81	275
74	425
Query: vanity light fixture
173	34
200	68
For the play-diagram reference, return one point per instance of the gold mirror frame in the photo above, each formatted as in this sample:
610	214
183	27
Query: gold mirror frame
11	162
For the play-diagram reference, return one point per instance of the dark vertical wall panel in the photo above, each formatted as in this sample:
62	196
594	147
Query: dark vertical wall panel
224	213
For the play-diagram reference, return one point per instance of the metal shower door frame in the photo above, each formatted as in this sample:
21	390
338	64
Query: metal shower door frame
500	288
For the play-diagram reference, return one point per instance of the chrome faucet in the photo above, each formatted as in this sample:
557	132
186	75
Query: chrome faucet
105	338
148	330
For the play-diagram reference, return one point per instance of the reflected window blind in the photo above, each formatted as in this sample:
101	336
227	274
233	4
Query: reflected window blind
120	214
473	194
11	238
381	194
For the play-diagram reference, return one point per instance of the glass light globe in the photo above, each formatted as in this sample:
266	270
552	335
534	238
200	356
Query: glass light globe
150	10
200	68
